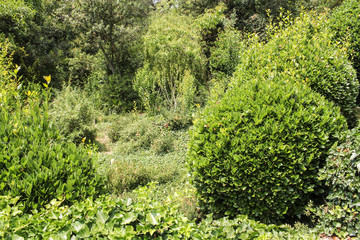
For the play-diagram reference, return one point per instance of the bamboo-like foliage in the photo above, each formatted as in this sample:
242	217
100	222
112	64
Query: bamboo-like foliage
174	62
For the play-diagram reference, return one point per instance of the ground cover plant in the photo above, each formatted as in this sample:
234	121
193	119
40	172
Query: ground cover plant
339	215
138	218
146	148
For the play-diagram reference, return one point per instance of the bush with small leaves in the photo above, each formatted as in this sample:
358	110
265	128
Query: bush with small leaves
258	150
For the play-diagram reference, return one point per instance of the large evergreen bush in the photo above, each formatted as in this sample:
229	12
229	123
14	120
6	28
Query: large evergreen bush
36	164
258	150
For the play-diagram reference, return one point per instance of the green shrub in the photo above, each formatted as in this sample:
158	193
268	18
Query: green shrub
225	56
125	176
258	150
304	50
226	53
345	22
8	76
177	120
117	94
340	214
35	163
73	113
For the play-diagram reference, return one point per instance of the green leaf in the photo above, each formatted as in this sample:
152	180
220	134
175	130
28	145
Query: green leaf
77	226
17	237
102	217
151	218
84	232
129	217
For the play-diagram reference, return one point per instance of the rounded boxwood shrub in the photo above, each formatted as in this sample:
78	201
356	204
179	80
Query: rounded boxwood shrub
305	50
258	150
345	22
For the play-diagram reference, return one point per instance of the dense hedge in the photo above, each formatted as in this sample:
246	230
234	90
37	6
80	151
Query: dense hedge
258	150
305	50
345	22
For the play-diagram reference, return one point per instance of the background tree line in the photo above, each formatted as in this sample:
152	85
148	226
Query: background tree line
103	45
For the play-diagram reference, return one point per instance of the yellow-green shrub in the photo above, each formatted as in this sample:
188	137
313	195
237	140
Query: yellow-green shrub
174	64
305	51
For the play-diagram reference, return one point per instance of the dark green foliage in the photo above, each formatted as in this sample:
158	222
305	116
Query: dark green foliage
340	214
117	94
345	22
258	150
225	56
13	16
73	113
41	39
253	15
305	51
176	120
108	44
111	27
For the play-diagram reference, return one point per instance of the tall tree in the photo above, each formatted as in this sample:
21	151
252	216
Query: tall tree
112	27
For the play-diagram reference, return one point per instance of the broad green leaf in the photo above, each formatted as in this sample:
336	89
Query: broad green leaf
128	218
151	218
